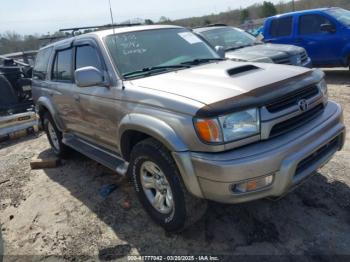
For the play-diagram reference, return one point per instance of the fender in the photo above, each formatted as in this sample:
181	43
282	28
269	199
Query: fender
45	102
346	54
153	127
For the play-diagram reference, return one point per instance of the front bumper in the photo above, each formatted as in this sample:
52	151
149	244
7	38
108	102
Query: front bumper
290	158
17	122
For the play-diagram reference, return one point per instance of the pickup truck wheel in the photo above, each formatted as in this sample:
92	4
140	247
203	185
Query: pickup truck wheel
160	189
54	135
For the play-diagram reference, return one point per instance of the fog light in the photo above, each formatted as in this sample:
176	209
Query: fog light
253	184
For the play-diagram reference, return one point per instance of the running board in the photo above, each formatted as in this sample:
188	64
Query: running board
102	156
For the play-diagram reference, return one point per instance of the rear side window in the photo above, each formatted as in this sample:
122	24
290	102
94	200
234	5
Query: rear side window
281	26
62	69
311	24
41	63
87	56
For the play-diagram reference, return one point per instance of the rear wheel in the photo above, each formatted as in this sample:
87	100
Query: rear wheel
160	189
54	135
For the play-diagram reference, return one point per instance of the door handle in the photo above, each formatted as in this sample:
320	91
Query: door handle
76	97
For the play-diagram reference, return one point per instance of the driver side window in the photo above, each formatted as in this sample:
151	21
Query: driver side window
86	55
311	24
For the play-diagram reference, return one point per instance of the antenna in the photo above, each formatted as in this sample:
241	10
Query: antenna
111	12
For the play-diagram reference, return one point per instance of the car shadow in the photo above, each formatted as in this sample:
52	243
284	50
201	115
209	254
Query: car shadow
303	222
7	142
337	76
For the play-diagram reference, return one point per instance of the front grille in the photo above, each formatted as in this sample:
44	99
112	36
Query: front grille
292	99
282	60
296	121
313	158
303	57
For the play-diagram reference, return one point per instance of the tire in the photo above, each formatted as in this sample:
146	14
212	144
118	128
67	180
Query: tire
54	136
186	209
8	95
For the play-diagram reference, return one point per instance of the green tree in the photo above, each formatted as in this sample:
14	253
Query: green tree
207	21
149	22
164	19
244	15
268	9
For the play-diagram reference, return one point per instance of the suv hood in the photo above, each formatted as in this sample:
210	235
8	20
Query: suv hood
256	52
218	81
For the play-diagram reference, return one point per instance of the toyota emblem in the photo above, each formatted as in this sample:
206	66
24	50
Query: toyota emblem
303	105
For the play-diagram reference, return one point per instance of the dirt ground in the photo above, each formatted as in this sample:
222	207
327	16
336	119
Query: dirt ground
63	211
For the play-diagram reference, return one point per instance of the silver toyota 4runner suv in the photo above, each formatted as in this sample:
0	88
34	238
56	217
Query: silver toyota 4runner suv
158	104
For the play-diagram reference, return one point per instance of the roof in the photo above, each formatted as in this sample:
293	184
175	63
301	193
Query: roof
303	12
118	30
208	28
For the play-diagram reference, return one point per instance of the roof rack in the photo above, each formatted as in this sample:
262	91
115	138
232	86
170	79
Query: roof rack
211	25
98	27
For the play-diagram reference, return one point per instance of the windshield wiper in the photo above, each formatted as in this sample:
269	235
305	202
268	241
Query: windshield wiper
201	61
150	70
236	47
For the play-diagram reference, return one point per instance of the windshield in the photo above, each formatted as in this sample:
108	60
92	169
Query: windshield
135	53
340	14
228	37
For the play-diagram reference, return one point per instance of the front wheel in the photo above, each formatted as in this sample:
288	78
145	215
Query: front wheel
160	189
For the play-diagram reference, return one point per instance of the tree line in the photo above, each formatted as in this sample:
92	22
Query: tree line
13	42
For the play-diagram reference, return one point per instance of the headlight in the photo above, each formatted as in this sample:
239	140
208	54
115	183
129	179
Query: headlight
229	127
322	86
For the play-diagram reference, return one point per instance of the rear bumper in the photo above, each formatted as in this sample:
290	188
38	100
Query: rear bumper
17	122
290	158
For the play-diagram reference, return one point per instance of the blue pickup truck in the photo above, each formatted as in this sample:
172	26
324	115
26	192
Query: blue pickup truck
324	33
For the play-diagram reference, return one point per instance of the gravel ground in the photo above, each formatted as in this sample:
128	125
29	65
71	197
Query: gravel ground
61	211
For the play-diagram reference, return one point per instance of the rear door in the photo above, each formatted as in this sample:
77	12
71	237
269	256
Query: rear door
280	30
324	48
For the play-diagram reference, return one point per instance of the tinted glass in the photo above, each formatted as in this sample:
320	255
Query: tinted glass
340	14
41	63
228	37
63	66
311	24
281	26
87	56
161	47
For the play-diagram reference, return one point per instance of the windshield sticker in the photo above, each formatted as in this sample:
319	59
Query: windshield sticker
190	37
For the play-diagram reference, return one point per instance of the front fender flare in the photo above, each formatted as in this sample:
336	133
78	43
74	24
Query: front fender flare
153	127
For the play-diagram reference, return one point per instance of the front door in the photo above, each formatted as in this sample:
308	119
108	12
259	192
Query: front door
97	103
324	48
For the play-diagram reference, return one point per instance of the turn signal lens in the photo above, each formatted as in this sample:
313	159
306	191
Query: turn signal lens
252	185
208	130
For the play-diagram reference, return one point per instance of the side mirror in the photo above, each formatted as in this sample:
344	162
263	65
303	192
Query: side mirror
328	28
88	76
220	50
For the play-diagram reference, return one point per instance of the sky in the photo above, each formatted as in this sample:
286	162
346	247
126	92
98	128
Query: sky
43	16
